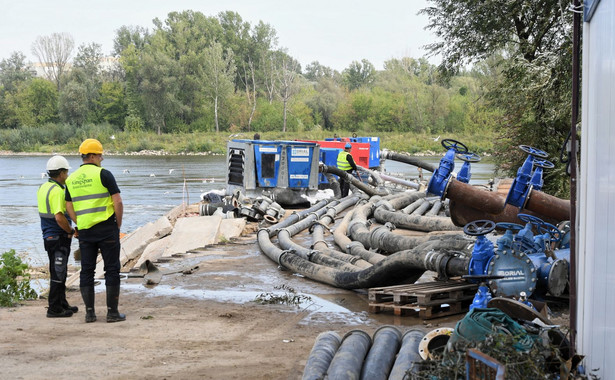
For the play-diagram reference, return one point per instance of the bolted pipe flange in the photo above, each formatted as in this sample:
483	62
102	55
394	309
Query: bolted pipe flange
434	341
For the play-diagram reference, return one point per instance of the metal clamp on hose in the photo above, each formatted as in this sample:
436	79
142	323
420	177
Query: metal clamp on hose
284	252
353	222
318	222
319	241
385	204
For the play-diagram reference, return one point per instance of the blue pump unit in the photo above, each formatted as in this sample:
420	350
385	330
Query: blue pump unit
524	259
255	166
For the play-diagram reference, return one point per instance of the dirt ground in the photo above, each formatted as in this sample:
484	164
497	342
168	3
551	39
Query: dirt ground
199	322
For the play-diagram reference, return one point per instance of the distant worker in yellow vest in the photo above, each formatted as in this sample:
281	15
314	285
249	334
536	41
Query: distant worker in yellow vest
93	200
345	162
57	235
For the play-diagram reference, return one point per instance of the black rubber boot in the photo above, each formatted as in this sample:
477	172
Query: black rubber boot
87	293
113	296
65	303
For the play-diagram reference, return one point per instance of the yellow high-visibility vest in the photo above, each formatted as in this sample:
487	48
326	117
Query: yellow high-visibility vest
50	199
91	200
342	161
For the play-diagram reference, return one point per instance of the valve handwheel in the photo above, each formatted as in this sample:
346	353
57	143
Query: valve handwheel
556	234
468	157
455	145
542	227
509	226
534	151
541	163
479	227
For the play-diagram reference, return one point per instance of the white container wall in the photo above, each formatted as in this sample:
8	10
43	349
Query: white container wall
596	203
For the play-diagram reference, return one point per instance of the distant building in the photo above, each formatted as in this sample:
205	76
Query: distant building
37	69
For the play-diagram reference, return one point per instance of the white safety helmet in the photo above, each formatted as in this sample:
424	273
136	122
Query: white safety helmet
57	163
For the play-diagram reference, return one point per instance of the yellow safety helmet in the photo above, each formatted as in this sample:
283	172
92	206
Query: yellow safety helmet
91	146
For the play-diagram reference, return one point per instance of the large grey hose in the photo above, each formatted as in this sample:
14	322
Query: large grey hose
354	248
385	154
358	184
401	267
415	222
348	360
381	356
408	355
296	216
322	353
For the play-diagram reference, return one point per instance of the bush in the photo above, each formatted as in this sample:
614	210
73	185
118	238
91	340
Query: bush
14	281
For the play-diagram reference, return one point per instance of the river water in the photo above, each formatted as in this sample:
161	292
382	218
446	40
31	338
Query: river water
150	187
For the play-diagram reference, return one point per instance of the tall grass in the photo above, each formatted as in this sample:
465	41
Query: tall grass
65	138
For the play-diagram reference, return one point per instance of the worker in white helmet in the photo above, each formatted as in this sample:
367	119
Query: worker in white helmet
57	235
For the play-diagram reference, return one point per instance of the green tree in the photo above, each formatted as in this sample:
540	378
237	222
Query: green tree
35	103
287	70
218	74
533	91
112	103
73	103
359	74
159	88
78	97
13	71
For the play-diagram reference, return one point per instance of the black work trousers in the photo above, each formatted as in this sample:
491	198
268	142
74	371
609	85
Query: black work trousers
58	251
345	185
110	251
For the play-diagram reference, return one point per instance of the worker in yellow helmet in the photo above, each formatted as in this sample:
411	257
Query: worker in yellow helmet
346	163
57	235
93	200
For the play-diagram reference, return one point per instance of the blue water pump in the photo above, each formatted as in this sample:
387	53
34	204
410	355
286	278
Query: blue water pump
441	177
548	254
465	174
529	176
521	262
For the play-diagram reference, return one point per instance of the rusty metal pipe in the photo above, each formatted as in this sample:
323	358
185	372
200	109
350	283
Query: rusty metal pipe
487	201
544	205
548	205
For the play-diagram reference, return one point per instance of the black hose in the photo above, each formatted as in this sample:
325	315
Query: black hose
415	222
348	360
388	155
367	189
296	216
381	356
408	355
322	353
401	267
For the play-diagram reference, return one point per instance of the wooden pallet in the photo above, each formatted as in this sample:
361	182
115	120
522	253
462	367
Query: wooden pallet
428	299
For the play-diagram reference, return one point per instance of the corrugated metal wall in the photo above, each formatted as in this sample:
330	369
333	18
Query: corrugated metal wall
596	228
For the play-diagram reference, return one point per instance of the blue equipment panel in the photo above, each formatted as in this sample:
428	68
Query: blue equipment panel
299	164
328	156
267	157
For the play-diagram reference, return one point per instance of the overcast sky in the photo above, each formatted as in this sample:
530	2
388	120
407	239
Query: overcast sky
333	32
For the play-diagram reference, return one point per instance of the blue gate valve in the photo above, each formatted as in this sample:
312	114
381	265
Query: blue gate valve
483	248
483	295
539	165
464	174
441	177
505	242
547	233
520	189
